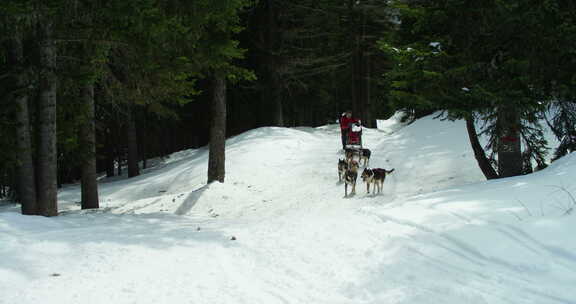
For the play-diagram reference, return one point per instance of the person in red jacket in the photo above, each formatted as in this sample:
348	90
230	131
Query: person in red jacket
346	122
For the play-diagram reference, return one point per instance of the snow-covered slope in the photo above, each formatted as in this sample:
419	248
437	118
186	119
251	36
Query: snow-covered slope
280	230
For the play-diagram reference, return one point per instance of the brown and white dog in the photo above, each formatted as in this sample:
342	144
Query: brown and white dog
350	177
349	154
342	167
375	176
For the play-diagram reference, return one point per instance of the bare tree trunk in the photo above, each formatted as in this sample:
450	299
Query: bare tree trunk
47	150
26	183
509	145
88	143
479	154
132	141
217	155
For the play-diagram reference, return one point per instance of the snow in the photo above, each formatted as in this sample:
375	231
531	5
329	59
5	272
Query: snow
280	230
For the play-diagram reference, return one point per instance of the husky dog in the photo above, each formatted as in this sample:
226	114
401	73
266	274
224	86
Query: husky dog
375	176
365	156
349	153
342	167
350	177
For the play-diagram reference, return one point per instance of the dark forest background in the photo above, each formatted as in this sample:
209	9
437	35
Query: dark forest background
101	86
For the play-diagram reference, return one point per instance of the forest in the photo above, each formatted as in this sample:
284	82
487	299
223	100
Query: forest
91	88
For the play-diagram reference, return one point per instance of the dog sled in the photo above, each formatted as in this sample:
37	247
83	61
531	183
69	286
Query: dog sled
354	137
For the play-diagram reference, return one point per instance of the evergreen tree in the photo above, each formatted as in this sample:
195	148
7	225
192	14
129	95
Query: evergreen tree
140	57
220	49
562	123
479	59
18	94
315	59
217	155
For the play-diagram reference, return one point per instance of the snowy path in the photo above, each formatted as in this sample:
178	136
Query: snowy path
435	235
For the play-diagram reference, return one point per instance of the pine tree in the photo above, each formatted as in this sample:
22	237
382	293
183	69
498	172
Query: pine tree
47	101
562	123
20	96
217	155
317	58
480	58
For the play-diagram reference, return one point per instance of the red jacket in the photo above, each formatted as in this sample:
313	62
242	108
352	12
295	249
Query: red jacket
346	123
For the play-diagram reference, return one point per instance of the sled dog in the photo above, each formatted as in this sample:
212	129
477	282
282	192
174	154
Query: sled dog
349	153
350	178
365	156
375	176
342	167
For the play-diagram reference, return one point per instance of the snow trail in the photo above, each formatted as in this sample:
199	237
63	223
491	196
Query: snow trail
280	230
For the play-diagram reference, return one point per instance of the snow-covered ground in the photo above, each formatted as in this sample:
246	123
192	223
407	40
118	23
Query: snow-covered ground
280	230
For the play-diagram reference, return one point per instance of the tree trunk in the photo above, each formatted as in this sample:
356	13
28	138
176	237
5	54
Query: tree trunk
88	144
273	77
144	143
110	154
272	98
119	147
357	83
360	63
509	145
26	183
276	99
369	120
47	150
217	156
119	160
479	154
363	69
132	141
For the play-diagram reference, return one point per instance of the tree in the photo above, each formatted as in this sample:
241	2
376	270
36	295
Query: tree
366	20
267	12
220	50
19	94
87	140
479	154
480	59
47	150
562	117
89	28
315	59
217	155
35	21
